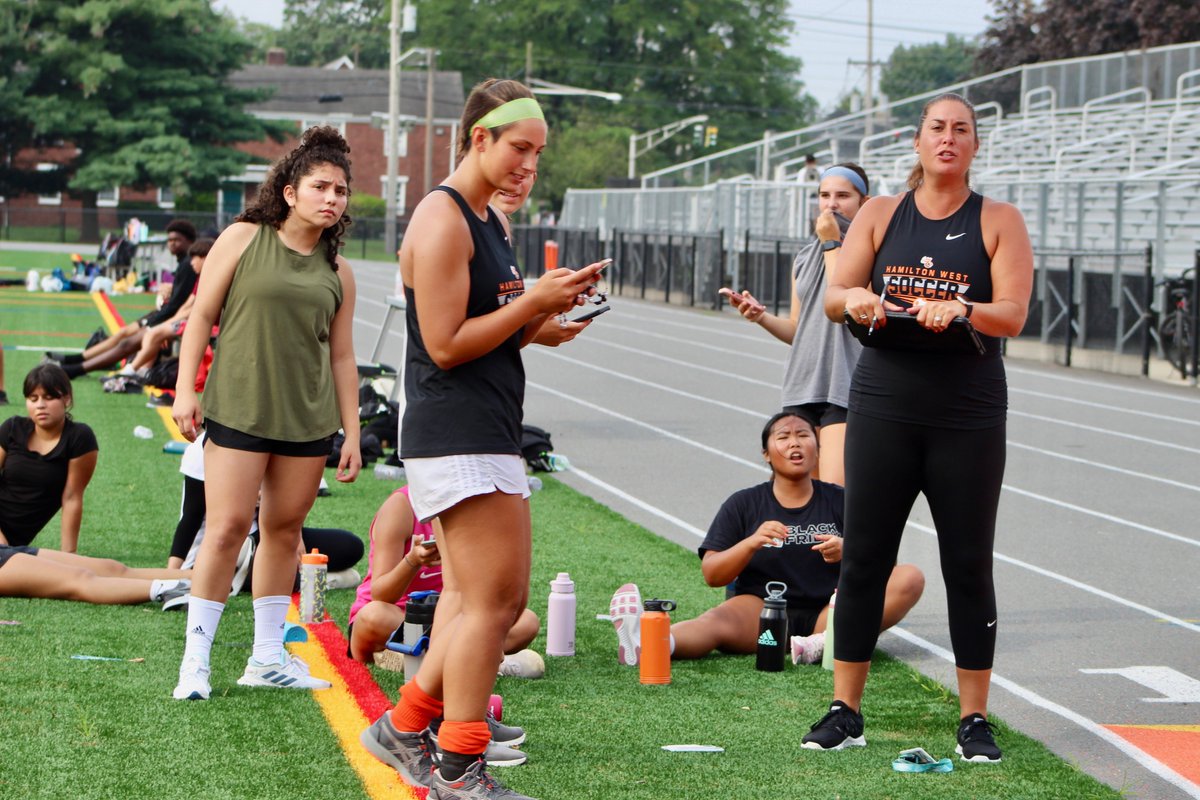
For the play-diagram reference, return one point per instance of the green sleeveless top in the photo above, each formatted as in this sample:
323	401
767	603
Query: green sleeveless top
271	375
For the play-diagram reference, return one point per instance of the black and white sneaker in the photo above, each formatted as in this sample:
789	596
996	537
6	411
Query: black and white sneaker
842	727
976	740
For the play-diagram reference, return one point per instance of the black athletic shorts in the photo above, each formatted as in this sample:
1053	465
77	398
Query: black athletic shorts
801	621
8	551
819	414
236	440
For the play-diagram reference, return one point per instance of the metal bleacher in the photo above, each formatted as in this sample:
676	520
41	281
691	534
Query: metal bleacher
1099	153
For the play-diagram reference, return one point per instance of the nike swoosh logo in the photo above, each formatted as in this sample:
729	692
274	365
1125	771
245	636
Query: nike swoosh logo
992	624
950	238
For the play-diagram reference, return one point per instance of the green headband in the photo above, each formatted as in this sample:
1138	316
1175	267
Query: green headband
512	111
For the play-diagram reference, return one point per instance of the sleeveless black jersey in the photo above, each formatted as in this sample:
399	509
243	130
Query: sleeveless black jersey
927	259
474	407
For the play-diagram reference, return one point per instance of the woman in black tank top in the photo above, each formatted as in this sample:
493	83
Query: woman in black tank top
468	316
924	420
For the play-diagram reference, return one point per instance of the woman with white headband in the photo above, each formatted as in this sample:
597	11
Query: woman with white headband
816	376
469	315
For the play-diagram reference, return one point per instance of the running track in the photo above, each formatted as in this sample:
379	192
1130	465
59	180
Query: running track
1098	547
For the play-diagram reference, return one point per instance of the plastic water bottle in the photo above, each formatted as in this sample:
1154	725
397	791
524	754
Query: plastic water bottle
827	656
654	666
388	472
418	621
314	572
560	617
772	629
32	280
558	463
142	432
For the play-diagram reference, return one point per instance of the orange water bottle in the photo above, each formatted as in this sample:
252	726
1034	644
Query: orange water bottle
655	662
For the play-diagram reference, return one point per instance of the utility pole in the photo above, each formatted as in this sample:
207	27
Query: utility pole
870	64
528	62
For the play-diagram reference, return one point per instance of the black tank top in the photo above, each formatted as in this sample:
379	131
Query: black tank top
474	407
932	259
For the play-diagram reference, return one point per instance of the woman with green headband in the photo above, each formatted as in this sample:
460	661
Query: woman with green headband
468	316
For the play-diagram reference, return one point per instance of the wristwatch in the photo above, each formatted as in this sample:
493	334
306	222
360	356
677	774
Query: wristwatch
832	244
967	304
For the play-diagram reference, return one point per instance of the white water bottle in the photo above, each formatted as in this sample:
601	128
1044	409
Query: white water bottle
827	656
560	617
314	575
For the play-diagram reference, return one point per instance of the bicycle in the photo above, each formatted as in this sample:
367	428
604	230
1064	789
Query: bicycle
1175	334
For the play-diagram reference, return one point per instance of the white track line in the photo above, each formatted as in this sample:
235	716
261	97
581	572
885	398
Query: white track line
643	505
1108	432
1177	397
1101	515
1098	465
1033	698
1105	407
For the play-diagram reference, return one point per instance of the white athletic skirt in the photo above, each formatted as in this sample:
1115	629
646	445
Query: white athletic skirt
436	484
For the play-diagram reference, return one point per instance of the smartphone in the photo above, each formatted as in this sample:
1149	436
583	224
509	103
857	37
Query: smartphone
585	317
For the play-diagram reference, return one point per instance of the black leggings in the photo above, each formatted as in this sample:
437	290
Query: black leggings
959	472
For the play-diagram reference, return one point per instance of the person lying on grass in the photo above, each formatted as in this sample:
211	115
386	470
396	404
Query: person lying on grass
46	462
787	529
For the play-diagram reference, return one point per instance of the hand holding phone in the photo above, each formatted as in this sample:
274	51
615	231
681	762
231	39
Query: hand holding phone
594	313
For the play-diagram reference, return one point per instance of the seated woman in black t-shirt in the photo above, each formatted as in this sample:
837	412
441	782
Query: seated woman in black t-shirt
46	462
788	529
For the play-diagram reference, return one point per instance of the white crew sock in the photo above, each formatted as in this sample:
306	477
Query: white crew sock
203	617
269	615
672	643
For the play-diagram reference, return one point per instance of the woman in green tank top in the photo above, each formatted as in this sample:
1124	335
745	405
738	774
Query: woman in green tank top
283	381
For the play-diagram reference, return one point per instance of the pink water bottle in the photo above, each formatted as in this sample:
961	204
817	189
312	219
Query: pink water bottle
560	617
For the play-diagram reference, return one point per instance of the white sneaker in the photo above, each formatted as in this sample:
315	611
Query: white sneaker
347	578
290	673
625	608
193	681
808	649
525	664
163	590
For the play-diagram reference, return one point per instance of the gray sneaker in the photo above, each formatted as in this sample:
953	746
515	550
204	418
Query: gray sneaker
474	784
407	753
509	735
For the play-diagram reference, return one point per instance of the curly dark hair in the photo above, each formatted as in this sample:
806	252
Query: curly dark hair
318	145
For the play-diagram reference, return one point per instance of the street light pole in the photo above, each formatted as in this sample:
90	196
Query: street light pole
393	142
662	134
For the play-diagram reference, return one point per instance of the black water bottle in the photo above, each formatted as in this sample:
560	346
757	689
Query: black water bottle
772	629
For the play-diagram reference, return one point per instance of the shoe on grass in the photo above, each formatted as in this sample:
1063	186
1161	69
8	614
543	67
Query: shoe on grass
837	730
410	754
165	590
496	755
976	740
289	673
347	578
524	664
625	608
808	649
474	784
193	681
3	398
508	735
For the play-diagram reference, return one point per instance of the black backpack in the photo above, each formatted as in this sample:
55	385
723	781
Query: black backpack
536	448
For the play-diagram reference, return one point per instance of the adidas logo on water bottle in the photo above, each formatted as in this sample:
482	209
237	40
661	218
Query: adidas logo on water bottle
766	639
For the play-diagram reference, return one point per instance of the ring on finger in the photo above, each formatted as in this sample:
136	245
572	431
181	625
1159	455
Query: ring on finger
937	319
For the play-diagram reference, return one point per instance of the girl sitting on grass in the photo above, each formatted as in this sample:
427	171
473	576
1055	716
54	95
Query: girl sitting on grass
46	462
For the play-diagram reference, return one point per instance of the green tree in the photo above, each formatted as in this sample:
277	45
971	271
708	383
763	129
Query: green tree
925	67
316	32
724	58
138	88
1024	32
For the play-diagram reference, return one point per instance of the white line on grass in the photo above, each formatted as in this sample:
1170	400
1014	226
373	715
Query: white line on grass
642	504
1033	698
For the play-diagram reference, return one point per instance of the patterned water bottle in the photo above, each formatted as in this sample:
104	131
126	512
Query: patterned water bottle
314	570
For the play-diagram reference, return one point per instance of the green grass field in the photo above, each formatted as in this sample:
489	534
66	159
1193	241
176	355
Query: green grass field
104	729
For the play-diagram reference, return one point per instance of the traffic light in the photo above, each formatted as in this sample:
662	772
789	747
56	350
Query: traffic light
710	136
697	135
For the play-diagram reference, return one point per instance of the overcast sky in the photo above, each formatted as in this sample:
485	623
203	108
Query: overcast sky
828	33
